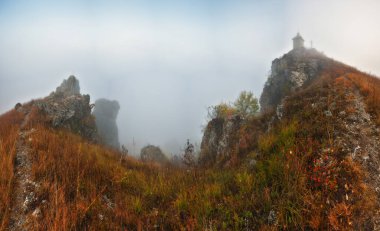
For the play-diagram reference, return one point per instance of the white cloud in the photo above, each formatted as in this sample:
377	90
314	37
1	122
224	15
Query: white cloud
166	65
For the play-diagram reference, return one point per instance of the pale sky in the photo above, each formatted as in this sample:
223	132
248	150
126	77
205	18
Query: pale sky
167	61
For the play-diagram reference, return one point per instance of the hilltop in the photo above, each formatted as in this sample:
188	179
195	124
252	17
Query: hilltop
314	147
309	160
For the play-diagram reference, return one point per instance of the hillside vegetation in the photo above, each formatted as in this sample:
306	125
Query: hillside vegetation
286	172
9	127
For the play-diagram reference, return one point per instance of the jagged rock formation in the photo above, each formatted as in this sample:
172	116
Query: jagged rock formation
151	153
105	113
218	140
67	108
225	140
289	73
69	87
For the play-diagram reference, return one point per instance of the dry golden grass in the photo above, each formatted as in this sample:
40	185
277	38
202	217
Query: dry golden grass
9	128
75	177
369	87
85	186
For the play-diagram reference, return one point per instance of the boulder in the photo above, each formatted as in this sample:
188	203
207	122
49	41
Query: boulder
151	153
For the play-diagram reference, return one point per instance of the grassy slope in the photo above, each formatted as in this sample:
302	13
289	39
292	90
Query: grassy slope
336	195
299	175
9	127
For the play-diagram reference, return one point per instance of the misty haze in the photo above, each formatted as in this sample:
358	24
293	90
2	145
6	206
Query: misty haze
189	115
166	63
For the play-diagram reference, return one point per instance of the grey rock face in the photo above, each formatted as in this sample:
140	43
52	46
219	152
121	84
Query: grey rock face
105	113
67	108
289	73
218	141
69	87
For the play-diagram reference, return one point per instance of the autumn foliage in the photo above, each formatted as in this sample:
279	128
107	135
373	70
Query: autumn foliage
289	177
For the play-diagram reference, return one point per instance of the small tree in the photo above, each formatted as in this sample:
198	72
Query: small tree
124	153
247	104
188	157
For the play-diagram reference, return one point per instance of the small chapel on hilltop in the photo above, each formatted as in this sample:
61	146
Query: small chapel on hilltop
298	42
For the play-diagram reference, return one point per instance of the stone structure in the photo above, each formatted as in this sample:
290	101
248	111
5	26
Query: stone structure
298	42
290	72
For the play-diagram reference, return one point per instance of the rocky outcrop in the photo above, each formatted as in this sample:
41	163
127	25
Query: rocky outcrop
151	153
290	72
219	139
68	87
67	108
105	113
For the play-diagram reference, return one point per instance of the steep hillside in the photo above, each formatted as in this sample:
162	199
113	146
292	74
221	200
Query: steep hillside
311	162
315	148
